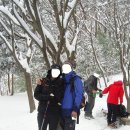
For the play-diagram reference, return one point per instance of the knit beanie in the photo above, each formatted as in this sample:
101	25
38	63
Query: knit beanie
55	66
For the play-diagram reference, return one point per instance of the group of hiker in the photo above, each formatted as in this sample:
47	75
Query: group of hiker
114	100
59	98
60	95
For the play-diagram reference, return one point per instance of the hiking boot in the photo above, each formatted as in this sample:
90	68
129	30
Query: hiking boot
113	125
86	116
91	116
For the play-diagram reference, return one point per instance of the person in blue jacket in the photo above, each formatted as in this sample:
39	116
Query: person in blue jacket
72	97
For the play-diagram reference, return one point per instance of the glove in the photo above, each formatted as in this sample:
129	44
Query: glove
99	90
100	95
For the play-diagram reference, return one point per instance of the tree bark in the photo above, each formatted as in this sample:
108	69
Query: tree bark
96	59
128	105
8	84
29	91
0	86
12	88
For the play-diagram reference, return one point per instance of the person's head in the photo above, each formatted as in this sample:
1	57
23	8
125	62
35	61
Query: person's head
54	71
67	67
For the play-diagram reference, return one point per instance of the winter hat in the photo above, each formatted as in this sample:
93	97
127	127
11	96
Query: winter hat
71	63
55	70
55	66
68	62
96	75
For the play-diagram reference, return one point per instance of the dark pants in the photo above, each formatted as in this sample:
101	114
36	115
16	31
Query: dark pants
50	119
86	108
112	113
67	123
89	105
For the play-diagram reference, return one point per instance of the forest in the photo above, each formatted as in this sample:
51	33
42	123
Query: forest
34	34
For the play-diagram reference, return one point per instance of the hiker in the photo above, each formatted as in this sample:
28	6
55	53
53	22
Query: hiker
49	92
90	86
116	92
72	97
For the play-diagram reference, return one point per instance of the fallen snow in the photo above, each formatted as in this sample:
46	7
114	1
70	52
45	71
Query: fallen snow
14	115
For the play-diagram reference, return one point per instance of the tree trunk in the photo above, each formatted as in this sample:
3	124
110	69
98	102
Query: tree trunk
96	59
129	91
12	88
0	87
8	84
128	105
29	91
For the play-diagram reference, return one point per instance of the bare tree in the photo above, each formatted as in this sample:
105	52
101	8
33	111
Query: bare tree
90	30
115	18
60	13
28	17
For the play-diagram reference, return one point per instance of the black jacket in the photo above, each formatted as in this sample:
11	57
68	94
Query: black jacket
90	84
42	94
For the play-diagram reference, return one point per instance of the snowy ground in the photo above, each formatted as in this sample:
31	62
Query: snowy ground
14	115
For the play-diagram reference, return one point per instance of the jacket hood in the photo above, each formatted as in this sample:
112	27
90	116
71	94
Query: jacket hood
119	82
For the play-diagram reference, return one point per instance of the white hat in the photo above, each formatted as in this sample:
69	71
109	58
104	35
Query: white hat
96	75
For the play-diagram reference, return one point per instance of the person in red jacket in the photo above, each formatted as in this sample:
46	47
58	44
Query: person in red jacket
116	93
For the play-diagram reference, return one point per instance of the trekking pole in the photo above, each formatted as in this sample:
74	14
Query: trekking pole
44	115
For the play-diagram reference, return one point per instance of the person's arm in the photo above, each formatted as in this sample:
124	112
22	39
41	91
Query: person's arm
86	86
38	94
78	90
99	89
121	95
106	90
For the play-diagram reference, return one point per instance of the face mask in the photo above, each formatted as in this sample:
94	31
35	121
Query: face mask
66	68
55	73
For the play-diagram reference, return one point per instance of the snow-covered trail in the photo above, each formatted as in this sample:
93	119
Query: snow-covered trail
14	115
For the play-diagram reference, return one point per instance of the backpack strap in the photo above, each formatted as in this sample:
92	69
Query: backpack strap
72	82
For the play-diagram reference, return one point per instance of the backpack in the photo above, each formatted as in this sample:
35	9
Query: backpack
122	111
82	104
